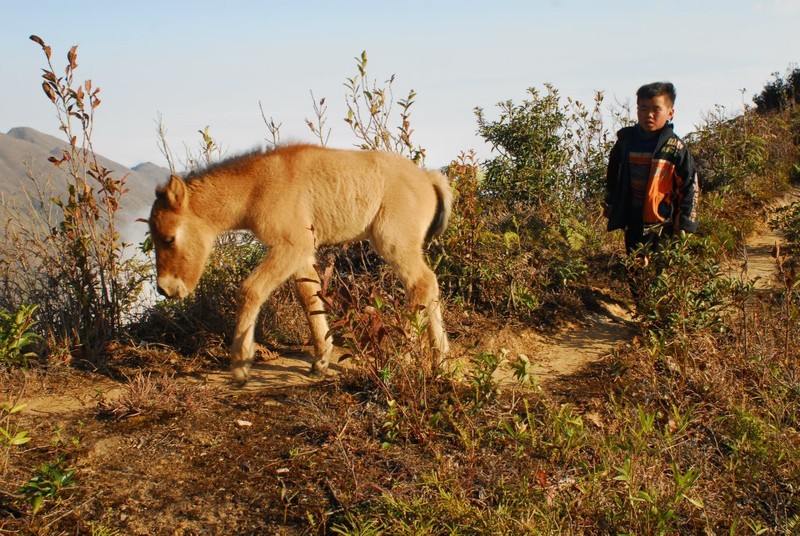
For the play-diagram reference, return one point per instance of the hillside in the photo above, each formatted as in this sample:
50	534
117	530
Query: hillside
24	149
586	390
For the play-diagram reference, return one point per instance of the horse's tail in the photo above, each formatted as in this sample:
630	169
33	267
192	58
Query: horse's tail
444	205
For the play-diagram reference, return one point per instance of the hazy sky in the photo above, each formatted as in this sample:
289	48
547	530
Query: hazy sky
209	63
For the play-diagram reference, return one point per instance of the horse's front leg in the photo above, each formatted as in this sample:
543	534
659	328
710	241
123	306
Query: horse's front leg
308	289
255	290
243	345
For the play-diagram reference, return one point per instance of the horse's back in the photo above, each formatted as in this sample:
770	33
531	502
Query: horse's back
342	194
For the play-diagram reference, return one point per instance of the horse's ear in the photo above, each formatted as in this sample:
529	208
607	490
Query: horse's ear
174	193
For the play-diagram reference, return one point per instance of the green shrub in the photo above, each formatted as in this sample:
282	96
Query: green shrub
526	221
551	157
528	138
681	286
787	221
748	157
781	93
728	153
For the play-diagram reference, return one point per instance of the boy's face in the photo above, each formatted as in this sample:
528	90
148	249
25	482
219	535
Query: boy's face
654	113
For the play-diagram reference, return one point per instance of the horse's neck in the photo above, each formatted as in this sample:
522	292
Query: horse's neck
220	201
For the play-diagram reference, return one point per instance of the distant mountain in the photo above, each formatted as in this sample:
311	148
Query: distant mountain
24	150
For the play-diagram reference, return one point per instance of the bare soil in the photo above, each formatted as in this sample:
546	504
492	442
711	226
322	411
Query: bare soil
286	454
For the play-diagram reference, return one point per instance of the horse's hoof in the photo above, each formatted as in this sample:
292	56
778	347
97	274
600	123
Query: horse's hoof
319	370
240	375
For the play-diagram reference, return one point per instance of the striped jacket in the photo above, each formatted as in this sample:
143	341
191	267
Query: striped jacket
671	192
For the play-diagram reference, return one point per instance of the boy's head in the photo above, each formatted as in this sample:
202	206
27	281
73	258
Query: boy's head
655	105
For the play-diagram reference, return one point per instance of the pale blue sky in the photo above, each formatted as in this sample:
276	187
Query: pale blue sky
210	63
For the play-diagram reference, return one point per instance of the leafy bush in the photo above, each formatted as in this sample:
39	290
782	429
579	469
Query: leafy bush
728	154
529	138
749	155
525	222
551	156
480	265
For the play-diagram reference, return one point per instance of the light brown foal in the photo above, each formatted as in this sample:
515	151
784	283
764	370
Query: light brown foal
294	199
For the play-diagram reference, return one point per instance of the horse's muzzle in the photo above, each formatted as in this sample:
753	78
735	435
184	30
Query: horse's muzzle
172	287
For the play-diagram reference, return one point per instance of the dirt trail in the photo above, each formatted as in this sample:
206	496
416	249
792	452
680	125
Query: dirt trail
756	262
573	349
566	353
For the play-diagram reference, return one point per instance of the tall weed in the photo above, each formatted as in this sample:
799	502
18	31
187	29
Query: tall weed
74	265
370	113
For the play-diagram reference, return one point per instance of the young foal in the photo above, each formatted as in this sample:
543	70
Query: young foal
295	199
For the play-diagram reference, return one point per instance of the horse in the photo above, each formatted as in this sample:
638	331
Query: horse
294	199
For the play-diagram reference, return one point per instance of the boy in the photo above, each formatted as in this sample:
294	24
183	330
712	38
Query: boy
651	183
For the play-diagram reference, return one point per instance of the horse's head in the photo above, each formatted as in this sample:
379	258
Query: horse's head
181	239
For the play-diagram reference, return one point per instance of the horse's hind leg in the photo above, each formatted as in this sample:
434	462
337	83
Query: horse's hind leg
422	289
308	289
280	263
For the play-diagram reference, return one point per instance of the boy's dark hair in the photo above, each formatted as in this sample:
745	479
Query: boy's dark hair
656	89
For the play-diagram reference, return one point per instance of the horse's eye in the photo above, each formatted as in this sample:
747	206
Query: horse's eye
169	240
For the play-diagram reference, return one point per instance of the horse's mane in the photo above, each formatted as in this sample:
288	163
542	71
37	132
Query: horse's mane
240	159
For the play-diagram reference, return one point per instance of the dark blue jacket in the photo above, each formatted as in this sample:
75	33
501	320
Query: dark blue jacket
671	191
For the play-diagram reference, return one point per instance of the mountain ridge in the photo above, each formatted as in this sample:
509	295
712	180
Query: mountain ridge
24	153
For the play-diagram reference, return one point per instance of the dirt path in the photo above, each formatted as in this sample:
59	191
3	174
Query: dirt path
592	338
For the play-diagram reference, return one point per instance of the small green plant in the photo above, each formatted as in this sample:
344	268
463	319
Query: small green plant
9	435
564	432
649	510
522	369
480	376
287	498
47	482
16	334
392	425
98	529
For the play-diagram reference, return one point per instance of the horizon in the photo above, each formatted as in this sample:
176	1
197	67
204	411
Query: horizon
215	68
